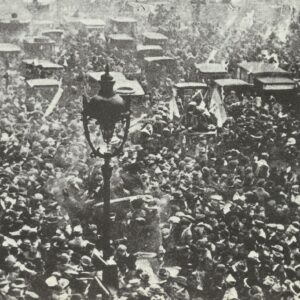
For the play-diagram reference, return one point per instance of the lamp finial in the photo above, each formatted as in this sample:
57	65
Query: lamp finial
107	70
106	76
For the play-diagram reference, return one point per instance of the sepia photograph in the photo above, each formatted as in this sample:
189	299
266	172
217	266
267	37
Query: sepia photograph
149	150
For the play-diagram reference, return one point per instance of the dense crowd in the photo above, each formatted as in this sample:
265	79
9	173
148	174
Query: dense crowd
220	210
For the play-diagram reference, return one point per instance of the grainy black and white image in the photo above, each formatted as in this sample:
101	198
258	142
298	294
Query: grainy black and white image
149	150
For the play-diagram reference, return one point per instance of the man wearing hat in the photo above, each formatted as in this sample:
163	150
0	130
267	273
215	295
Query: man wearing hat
124	260
179	287
4	288
231	292
61	290
86	264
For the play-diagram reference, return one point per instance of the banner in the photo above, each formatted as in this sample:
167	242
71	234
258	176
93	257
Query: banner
248	21
137	124
216	107
202	104
54	101
173	108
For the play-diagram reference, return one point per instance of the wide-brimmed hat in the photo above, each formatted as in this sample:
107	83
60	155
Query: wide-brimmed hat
254	290
295	189
64	258
135	282
163	274
295	287
277	248
33	254
3	282
31	296
180	280
291	141
241	266
143	294
230	280
51	220
10	260
187	218
63	283
269	281
19	283
253	256
70	273
277	288
86	276
17	293
51	281
86	261
144	276
155	289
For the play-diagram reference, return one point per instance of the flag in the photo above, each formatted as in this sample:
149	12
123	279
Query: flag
202	106
212	56
273	59
148	129
247	21
65	64
54	101
197	95
173	108
216	107
137	124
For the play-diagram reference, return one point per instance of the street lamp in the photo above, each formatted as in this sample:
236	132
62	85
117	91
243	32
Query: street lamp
107	109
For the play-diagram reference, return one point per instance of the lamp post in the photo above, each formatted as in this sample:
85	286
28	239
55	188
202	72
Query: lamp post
107	109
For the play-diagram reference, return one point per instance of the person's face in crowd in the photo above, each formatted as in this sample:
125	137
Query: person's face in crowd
175	286
121	252
26	245
243	220
4	289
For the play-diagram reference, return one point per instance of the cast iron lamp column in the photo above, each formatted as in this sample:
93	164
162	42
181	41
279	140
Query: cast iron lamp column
107	109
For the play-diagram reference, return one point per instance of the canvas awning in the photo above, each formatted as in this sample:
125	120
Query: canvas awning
231	82
141	48
159	59
42	83
277	83
155	36
92	22
121	37
211	68
279	87
53	31
39	40
261	68
190	85
9	48
123	20
45	64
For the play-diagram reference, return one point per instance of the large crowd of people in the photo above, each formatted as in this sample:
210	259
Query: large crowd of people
219	215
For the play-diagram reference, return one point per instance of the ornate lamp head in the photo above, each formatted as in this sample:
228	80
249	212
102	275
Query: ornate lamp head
107	108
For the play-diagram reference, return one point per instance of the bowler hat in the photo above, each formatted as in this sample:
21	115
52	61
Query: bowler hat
182	281
19	283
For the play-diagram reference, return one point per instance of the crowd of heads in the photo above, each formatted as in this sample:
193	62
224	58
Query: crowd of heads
221	207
